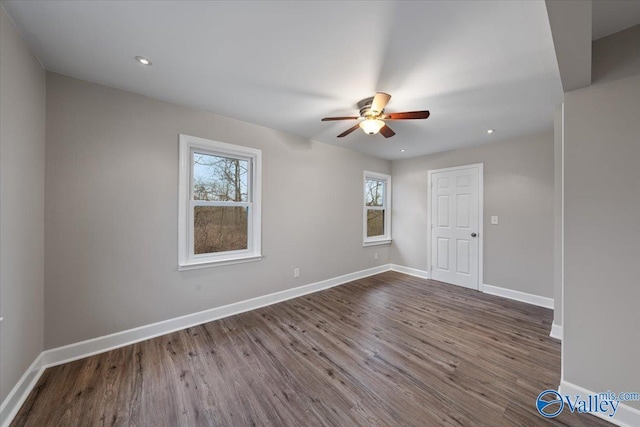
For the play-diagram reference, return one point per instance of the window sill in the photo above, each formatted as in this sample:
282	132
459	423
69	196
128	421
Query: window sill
218	263
376	242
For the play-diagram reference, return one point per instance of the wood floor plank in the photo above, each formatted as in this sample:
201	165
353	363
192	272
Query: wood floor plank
387	350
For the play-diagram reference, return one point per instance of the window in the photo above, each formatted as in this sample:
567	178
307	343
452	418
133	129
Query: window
377	208
219	214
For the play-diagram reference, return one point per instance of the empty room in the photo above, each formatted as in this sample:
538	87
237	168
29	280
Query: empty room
319	213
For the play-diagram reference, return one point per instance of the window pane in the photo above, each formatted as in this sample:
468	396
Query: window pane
375	223
221	179
219	229
374	192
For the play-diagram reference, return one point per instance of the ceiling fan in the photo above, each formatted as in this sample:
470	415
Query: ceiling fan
372	111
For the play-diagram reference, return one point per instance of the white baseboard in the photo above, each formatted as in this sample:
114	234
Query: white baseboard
625	416
410	271
80	350
556	331
493	290
519	296
19	393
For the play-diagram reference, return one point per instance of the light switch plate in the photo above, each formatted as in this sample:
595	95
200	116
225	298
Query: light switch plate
494	220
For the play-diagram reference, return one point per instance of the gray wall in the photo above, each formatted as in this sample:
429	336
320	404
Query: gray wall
557	216
616	56
22	127
602	233
112	205
518	187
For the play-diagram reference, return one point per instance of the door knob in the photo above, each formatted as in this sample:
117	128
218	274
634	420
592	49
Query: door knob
473	234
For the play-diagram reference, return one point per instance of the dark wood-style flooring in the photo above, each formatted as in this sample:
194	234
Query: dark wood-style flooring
387	350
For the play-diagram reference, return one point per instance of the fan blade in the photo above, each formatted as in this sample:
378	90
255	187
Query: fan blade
328	119
386	131
407	116
379	102
348	131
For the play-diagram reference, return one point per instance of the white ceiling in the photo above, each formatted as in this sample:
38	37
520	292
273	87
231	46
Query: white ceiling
475	65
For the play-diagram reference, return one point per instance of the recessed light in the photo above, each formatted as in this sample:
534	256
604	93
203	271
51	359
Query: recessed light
490	131
403	150
143	60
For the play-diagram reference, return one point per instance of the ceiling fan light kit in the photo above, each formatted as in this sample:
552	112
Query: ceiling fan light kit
372	111
371	126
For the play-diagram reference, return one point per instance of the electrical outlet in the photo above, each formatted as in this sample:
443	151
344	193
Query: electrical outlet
296	272
375	255
494	220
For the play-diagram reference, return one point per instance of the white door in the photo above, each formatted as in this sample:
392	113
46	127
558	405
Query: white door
455	225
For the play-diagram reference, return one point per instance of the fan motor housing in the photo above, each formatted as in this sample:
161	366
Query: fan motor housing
365	108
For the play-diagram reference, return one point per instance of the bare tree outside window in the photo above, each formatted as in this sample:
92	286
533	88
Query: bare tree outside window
219	213
222	227
374	200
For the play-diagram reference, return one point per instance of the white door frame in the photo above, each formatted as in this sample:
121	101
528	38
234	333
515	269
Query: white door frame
430	173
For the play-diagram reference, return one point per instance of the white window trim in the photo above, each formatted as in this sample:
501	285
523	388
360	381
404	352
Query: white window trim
386	238
186	259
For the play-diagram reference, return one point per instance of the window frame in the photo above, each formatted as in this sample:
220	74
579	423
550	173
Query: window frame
187	259
384	239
